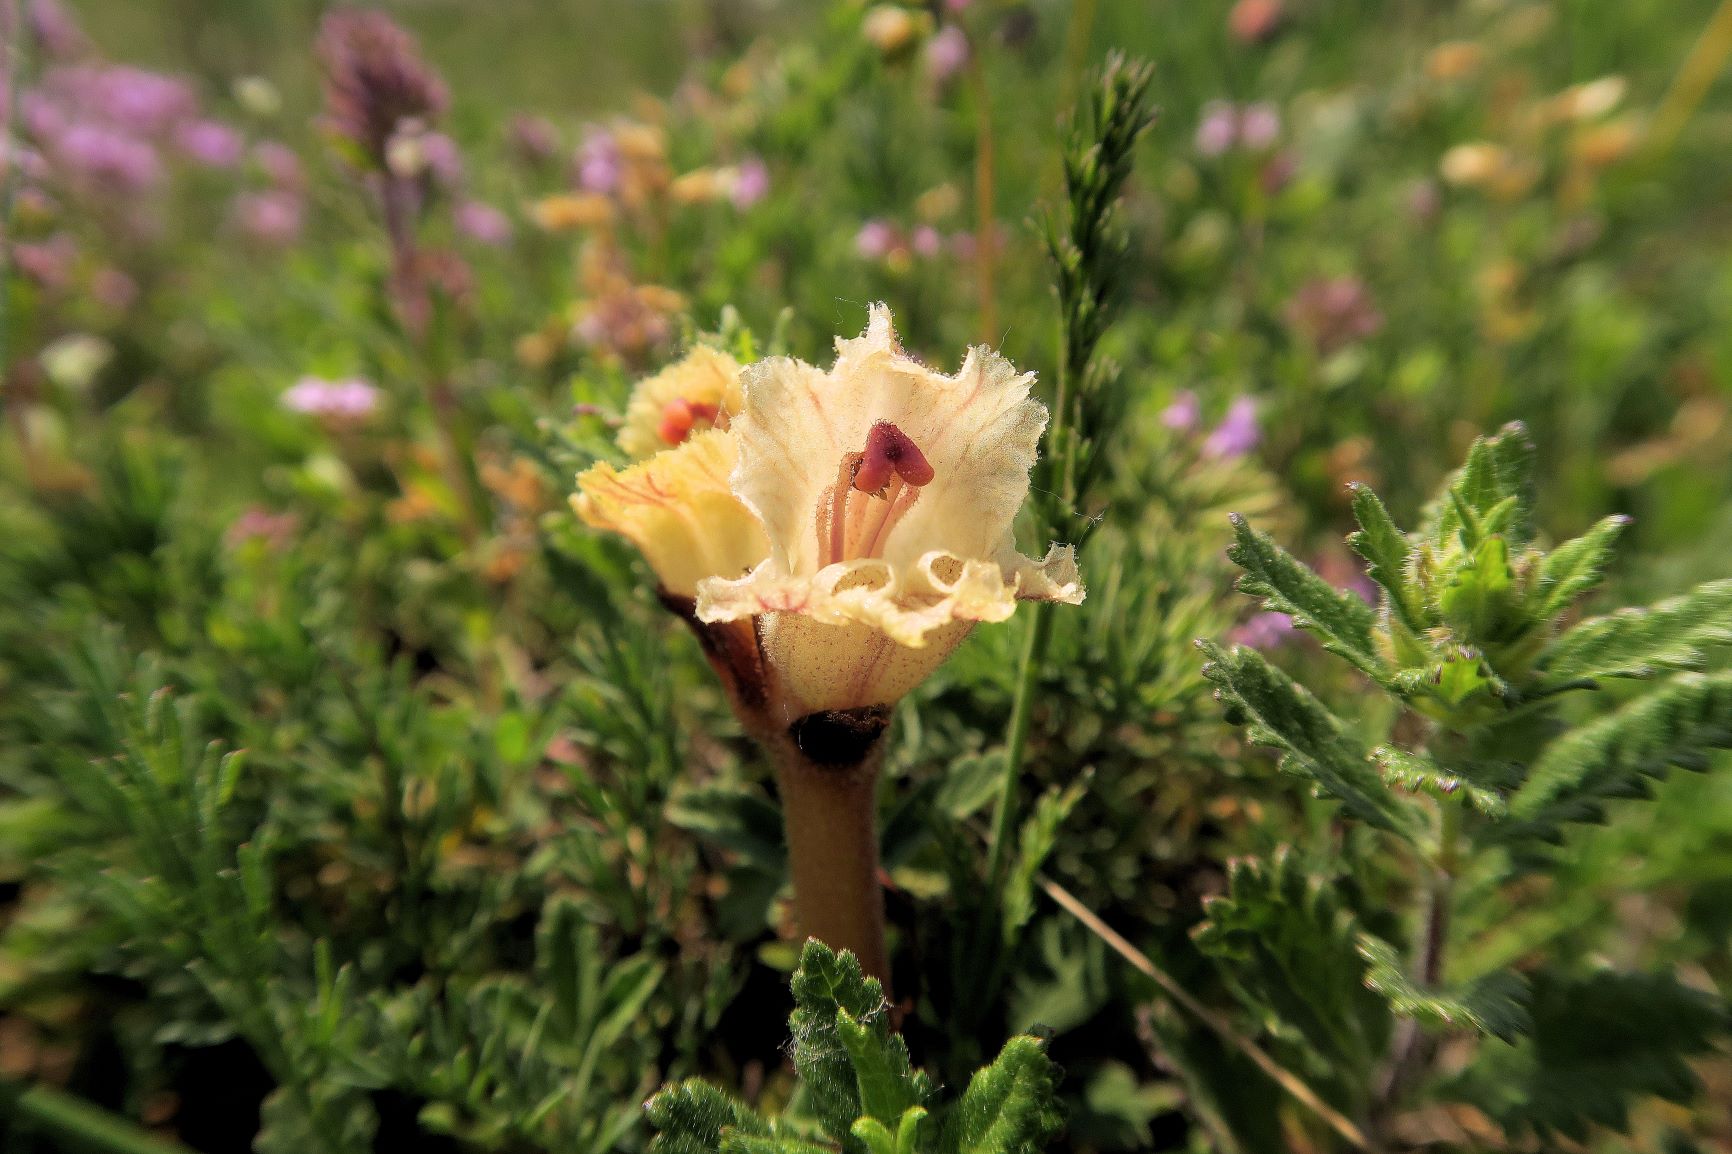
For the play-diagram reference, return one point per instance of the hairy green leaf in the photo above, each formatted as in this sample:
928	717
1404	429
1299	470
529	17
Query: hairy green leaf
887	1086
1599	1044
1386	551
1342	621
745	823
1576	566
1038	837
1495	1004
840	1018
693	1117
879	1138
740	1142
1287	949
1278	713
1010	1107
1492	491
1482	600
1642	642
1483	784
1678	724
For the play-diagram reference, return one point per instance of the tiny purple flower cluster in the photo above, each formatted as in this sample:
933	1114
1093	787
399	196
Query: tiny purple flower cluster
1238	432
1236	435
1225	126
1334	312
881	241
947	54
598	162
346	400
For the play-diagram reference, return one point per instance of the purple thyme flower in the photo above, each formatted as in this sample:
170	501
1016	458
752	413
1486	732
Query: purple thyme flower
113	289
211	143
1183	414
98	154
1225	126
598	162
926	241
30	164
1259	126
443	160
260	524
349	399
875	240
1262	631
56	31
533	138
483	224
751	183
946	53
1334	312
279	164
1218	128
132	98
1237	434
271	218
47	262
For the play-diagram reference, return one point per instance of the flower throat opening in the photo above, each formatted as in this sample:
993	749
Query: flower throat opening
874	489
681	418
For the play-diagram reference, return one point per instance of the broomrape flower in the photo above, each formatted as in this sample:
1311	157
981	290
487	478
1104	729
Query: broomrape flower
699	392
886	492
851	526
375	80
675	503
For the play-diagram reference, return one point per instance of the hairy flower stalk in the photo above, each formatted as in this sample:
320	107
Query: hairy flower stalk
832	537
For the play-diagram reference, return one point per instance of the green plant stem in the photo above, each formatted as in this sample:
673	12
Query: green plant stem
1016	740
1076	49
78	1125
1695	77
831	814
1411	1049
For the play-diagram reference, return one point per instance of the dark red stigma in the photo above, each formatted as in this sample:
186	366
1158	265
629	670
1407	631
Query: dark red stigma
890	453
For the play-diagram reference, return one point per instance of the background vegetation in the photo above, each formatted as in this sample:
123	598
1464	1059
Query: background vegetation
353	796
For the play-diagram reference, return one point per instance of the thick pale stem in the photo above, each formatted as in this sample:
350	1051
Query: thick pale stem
832	822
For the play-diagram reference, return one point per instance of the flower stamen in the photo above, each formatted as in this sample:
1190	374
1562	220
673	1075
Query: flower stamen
874	489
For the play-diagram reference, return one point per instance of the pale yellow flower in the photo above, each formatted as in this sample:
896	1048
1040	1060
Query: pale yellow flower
699	186
700	391
890	29
1474	164
1605	144
567	212
1454	60
677	508
1591	100
886	492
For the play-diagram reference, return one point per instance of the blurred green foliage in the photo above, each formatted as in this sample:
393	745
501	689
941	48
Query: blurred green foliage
354	797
